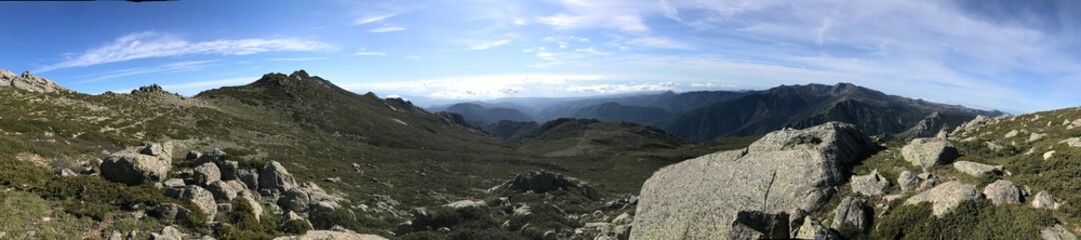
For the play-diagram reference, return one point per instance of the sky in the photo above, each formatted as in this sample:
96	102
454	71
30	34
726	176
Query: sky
1017	55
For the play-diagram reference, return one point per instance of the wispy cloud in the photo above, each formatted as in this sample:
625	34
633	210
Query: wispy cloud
374	18
387	28
624	88
369	53
476	86
659	42
166	68
154	45
296	59
487	45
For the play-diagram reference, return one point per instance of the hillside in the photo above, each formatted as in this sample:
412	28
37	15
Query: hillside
802	106
379	157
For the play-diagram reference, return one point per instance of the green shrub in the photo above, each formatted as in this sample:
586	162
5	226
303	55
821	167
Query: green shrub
971	220
329	219
295	226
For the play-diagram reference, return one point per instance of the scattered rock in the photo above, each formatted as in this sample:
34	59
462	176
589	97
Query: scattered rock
333	180
131	167
872	184
976	169
192	155
1012	133
67	173
946	196
206	174
1002	192
175	183
275	176
907	181
168	212
335	234
467	204
798	169
1044	200
168	233
1035	137
1048	155
1056	232
225	190
1072	142
541	181
854	211
249	177
758	225
927	152
295	199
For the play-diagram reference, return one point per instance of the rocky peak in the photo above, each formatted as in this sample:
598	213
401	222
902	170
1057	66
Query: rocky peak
27	82
298	78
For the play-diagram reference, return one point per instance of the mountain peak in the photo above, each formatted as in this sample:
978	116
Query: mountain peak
297	78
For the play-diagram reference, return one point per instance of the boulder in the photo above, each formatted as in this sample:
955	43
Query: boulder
295	199
256	207
202	199
872	184
854	211
786	169
1002	192
946	196
192	155
1048	155
1044	200
275	176
132	167
1072	142
976	169
541	181
927	152
212	155
759	225
168	212
249	177
467	204
907	181
1056	232
229	170
225	190
335	234
1012	133
206	173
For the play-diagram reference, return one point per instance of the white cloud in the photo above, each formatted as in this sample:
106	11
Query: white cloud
369	53
166	68
487	45
659	42
713	85
154	45
374	18
296	59
624	88
476	86
387	28
414	57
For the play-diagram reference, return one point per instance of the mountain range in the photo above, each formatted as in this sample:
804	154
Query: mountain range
703	116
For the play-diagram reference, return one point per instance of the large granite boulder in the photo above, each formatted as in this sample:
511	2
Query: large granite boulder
927	152
541	181
202	199
206	174
946	196
133	166
907	181
784	170
1044	200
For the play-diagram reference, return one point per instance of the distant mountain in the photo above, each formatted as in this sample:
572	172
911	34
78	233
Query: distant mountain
614	112
479	115
669	102
802	106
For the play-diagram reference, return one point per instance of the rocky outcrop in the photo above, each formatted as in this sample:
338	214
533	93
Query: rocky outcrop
872	184
812	229
787	169
853	211
1056	232
976	169
541	181
927	152
467	204
946	196
134	166
27	82
1002	192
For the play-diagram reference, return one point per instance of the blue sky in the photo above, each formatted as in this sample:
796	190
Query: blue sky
1017	56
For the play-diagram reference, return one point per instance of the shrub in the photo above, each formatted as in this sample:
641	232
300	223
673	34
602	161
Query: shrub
295	226
971	220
